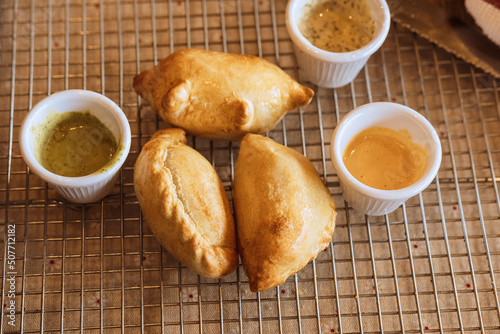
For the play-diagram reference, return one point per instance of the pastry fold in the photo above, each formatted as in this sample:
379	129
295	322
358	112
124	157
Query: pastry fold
185	204
219	95
285	214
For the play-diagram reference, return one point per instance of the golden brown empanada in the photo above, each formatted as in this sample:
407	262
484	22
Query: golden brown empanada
285	215
185	204
220	95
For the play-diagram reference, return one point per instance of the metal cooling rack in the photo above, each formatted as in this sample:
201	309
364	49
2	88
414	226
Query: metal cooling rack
430	267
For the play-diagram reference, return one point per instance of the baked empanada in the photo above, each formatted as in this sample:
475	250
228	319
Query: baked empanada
220	95
185	204
285	214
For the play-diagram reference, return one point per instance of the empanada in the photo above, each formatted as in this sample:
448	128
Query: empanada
185	204
220	95
285	214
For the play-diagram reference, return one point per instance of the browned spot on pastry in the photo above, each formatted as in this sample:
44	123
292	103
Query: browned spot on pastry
140	83
176	100
278	224
243	114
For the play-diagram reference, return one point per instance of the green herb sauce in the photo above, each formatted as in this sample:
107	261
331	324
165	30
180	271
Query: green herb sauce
78	145
337	25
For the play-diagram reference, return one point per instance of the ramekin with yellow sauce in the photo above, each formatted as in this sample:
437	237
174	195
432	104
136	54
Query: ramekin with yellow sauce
384	153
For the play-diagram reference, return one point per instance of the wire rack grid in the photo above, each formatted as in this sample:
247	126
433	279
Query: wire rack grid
430	267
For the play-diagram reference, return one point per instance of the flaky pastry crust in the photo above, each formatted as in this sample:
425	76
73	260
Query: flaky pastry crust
219	95
185	204
285	214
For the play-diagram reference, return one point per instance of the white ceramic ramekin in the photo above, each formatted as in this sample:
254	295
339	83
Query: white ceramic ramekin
83	189
372	201
486	16
331	69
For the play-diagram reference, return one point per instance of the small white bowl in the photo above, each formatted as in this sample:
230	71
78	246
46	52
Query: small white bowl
372	201
334	69
88	188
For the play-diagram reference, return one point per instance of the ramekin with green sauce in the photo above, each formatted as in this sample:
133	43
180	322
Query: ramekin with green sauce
77	141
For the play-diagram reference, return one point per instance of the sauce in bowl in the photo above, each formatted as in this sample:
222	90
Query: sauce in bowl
79	144
385	159
337	25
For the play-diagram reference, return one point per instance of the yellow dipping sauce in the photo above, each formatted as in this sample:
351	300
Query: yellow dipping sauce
385	159
78	145
337	25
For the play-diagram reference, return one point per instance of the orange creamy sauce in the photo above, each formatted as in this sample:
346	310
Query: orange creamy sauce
385	159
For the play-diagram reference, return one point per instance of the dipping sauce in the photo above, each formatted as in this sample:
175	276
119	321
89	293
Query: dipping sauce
337	25
385	159
78	145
